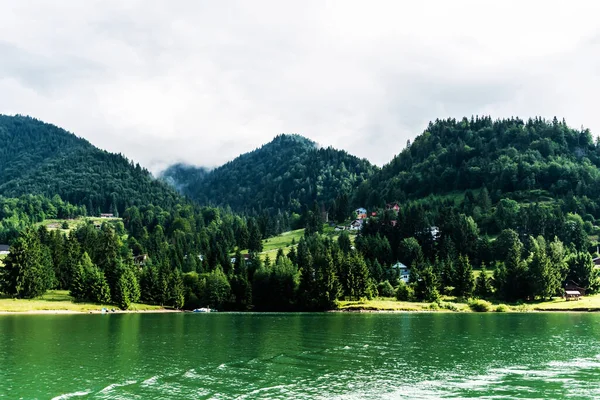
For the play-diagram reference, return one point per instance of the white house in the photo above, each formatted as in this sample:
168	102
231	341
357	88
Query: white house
4	249
361	211
402	270
356	225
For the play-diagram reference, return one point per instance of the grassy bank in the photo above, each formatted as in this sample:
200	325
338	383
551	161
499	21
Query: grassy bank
59	300
588	304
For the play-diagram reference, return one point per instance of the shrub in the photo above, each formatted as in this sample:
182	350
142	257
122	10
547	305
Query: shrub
385	289
404	292
449	306
502	308
434	306
480	305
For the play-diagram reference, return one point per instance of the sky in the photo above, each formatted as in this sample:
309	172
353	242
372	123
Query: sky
201	82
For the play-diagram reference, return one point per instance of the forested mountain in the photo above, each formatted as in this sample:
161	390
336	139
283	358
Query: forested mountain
286	174
512	157
40	158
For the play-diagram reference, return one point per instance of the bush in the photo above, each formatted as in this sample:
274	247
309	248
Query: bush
449	306
434	306
502	308
65	225
480	305
385	289
404	292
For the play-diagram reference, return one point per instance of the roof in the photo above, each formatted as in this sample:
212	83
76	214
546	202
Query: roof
572	292
4	247
400	265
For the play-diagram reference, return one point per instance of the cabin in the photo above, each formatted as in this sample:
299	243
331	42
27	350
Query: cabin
140	260
4	249
245	257
392	206
356	225
573	291
402	270
107	215
360	210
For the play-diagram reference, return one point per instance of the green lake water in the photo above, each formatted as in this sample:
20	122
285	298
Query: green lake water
300	356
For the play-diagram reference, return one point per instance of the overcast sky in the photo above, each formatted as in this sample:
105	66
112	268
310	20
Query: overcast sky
203	81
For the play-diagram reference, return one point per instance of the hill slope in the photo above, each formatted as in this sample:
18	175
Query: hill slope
511	156
40	158
287	173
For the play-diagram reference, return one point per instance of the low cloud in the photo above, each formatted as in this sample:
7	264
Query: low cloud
202	82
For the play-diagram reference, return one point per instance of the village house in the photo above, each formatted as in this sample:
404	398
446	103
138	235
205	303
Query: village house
4	249
246	258
573	291
402	270
107	215
392	206
140	260
356	225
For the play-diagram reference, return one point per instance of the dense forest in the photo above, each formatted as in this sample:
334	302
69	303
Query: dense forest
42	159
517	198
534	159
284	175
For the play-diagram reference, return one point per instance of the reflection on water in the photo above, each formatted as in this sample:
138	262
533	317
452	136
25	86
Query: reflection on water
282	356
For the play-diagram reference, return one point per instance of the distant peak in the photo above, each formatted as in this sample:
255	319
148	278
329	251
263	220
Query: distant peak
293	138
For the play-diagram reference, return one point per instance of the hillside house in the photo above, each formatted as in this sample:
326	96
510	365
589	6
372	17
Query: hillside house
107	215
361	213
4	249
573	291
393	207
356	225
140	260
402	270
245	257
597	261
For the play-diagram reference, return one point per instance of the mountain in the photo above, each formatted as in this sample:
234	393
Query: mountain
40	158
535	159
184	177
287	173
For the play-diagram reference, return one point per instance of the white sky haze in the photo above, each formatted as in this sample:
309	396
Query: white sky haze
202	82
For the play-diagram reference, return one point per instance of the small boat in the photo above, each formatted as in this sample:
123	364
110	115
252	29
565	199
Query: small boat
203	309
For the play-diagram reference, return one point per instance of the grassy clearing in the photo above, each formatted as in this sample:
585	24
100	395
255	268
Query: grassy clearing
587	303
57	224
282	241
59	300
488	272
391	304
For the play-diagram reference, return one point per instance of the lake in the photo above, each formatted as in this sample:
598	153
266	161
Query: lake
300	356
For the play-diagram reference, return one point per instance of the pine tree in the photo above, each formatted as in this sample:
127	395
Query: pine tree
97	286
121	296
177	290
26	273
463	282
79	279
483	288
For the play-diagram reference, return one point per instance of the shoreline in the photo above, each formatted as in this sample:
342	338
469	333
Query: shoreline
75	312
341	311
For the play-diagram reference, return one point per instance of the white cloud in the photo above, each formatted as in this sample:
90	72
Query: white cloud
202	82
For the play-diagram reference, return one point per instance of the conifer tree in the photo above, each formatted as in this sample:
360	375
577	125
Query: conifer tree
464	282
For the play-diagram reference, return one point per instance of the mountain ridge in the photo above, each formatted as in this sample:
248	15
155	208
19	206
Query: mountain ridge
290	164
41	158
